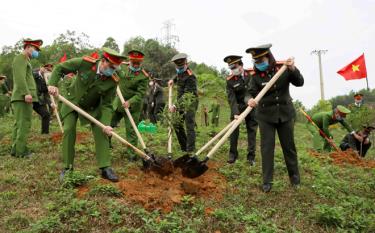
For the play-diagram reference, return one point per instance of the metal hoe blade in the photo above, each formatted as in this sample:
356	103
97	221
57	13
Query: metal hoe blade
158	164
194	168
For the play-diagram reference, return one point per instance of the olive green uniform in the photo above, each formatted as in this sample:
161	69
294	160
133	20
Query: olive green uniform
133	86
23	84
215	114
4	99
323	120
92	92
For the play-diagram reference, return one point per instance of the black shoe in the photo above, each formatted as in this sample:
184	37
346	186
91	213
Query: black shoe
109	174
295	180
232	158
266	187
251	159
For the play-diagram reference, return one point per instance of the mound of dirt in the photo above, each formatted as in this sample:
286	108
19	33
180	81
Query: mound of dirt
162	193
346	157
81	136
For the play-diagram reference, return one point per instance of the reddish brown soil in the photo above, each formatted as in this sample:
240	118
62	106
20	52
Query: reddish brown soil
162	193
57	137
346	157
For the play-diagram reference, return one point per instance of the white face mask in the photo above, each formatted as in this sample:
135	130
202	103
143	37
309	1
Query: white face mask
236	71
47	75
151	83
338	117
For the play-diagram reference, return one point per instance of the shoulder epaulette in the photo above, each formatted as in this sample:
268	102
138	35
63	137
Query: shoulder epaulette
89	59
230	77
115	78
145	73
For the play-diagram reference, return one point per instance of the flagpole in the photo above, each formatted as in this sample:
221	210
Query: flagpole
367	84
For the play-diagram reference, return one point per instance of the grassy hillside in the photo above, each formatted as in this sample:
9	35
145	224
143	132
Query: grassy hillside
331	198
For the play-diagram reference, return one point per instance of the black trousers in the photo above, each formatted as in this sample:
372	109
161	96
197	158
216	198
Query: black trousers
285	130
155	111
42	110
251	128
186	140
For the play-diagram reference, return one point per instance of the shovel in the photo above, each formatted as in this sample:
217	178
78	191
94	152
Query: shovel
183	161
162	160
55	109
194	167
154	164
170	131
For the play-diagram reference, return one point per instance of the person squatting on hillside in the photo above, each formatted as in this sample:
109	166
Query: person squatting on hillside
186	83
23	96
359	144
93	90
237	85
275	112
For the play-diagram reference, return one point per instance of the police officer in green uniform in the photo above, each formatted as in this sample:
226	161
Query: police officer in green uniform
237	85
275	112
215	113
186	83
93	90
23	96
133	86
41	106
4	96
323	120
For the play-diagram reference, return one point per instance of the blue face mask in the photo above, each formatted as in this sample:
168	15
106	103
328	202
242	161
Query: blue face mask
134	69
34	54
180	70
108	72
262	66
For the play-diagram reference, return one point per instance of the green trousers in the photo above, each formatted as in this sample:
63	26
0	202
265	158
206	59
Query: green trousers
319	143
103	157
131	136
22	125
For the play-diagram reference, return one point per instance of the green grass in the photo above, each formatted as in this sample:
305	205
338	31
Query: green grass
330	198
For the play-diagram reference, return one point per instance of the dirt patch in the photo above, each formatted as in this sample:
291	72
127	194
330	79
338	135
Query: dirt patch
81	136
162	193
345	157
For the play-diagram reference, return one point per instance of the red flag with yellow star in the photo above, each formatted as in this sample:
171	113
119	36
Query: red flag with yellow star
355	70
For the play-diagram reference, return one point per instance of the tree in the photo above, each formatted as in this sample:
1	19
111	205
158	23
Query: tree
111	43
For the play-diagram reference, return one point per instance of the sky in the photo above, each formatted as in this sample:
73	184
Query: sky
209	30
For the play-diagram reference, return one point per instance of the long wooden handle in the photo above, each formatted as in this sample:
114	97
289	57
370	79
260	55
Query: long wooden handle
101	125
55	110
320	130
119	94
217	136
247	110
170	91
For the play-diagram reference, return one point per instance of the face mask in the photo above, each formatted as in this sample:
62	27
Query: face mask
338	117
34	54
236	71
134	69
262	66
108	72
180	70
151	83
